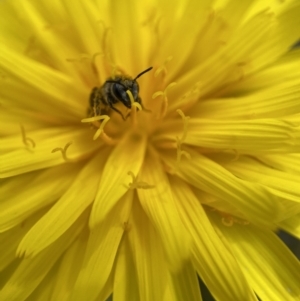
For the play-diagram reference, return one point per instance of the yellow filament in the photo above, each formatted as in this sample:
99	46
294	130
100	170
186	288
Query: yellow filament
180	141
101	128
107	139
95	118
26	140
134	107
163	68
227	221
83	57
137	184
63	151
185	124
93	64
100	131
165	99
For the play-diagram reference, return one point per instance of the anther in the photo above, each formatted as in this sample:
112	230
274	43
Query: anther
137	184
63	151
26	140
165	99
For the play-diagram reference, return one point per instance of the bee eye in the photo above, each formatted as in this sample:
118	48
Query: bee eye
119	91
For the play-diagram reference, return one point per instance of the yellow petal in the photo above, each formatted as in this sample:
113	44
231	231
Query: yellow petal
48	186
148	256
288	163
61	215
100	254
274	78
124	47
126	157
244	135
186	284
45	80
125	277
185	31
215	264
254	201
159	206
281	183
20	158
11	238
269	266
280	99
31	271
292	225
68	270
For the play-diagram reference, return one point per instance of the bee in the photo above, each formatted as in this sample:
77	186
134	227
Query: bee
114	91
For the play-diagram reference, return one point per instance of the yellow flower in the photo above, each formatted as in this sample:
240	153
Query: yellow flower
194	181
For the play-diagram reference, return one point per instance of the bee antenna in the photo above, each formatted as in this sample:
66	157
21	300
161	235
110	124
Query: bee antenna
140	74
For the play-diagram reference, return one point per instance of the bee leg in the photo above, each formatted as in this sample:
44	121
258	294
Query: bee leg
119	112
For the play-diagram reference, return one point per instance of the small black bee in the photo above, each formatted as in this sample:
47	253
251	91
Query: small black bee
113	91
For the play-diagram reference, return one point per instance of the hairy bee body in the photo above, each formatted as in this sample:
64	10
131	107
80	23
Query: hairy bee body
103	98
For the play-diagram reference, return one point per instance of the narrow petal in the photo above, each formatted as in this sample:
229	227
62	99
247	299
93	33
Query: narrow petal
215	25
50	227
268	264
44	190
148	256
44	79
44	290
126	157
102	247
132	15
159	206
281	74
289	163
288	30
279	100
292	225
68	270
259	42
254	201
31	271
215	264
21	158
194	13
185	283
11	239
125	277
46	27
281	183
240	135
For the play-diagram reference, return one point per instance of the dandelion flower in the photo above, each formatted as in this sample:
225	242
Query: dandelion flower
193	182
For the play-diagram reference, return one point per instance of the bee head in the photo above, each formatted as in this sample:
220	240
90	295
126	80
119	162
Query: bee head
123	84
